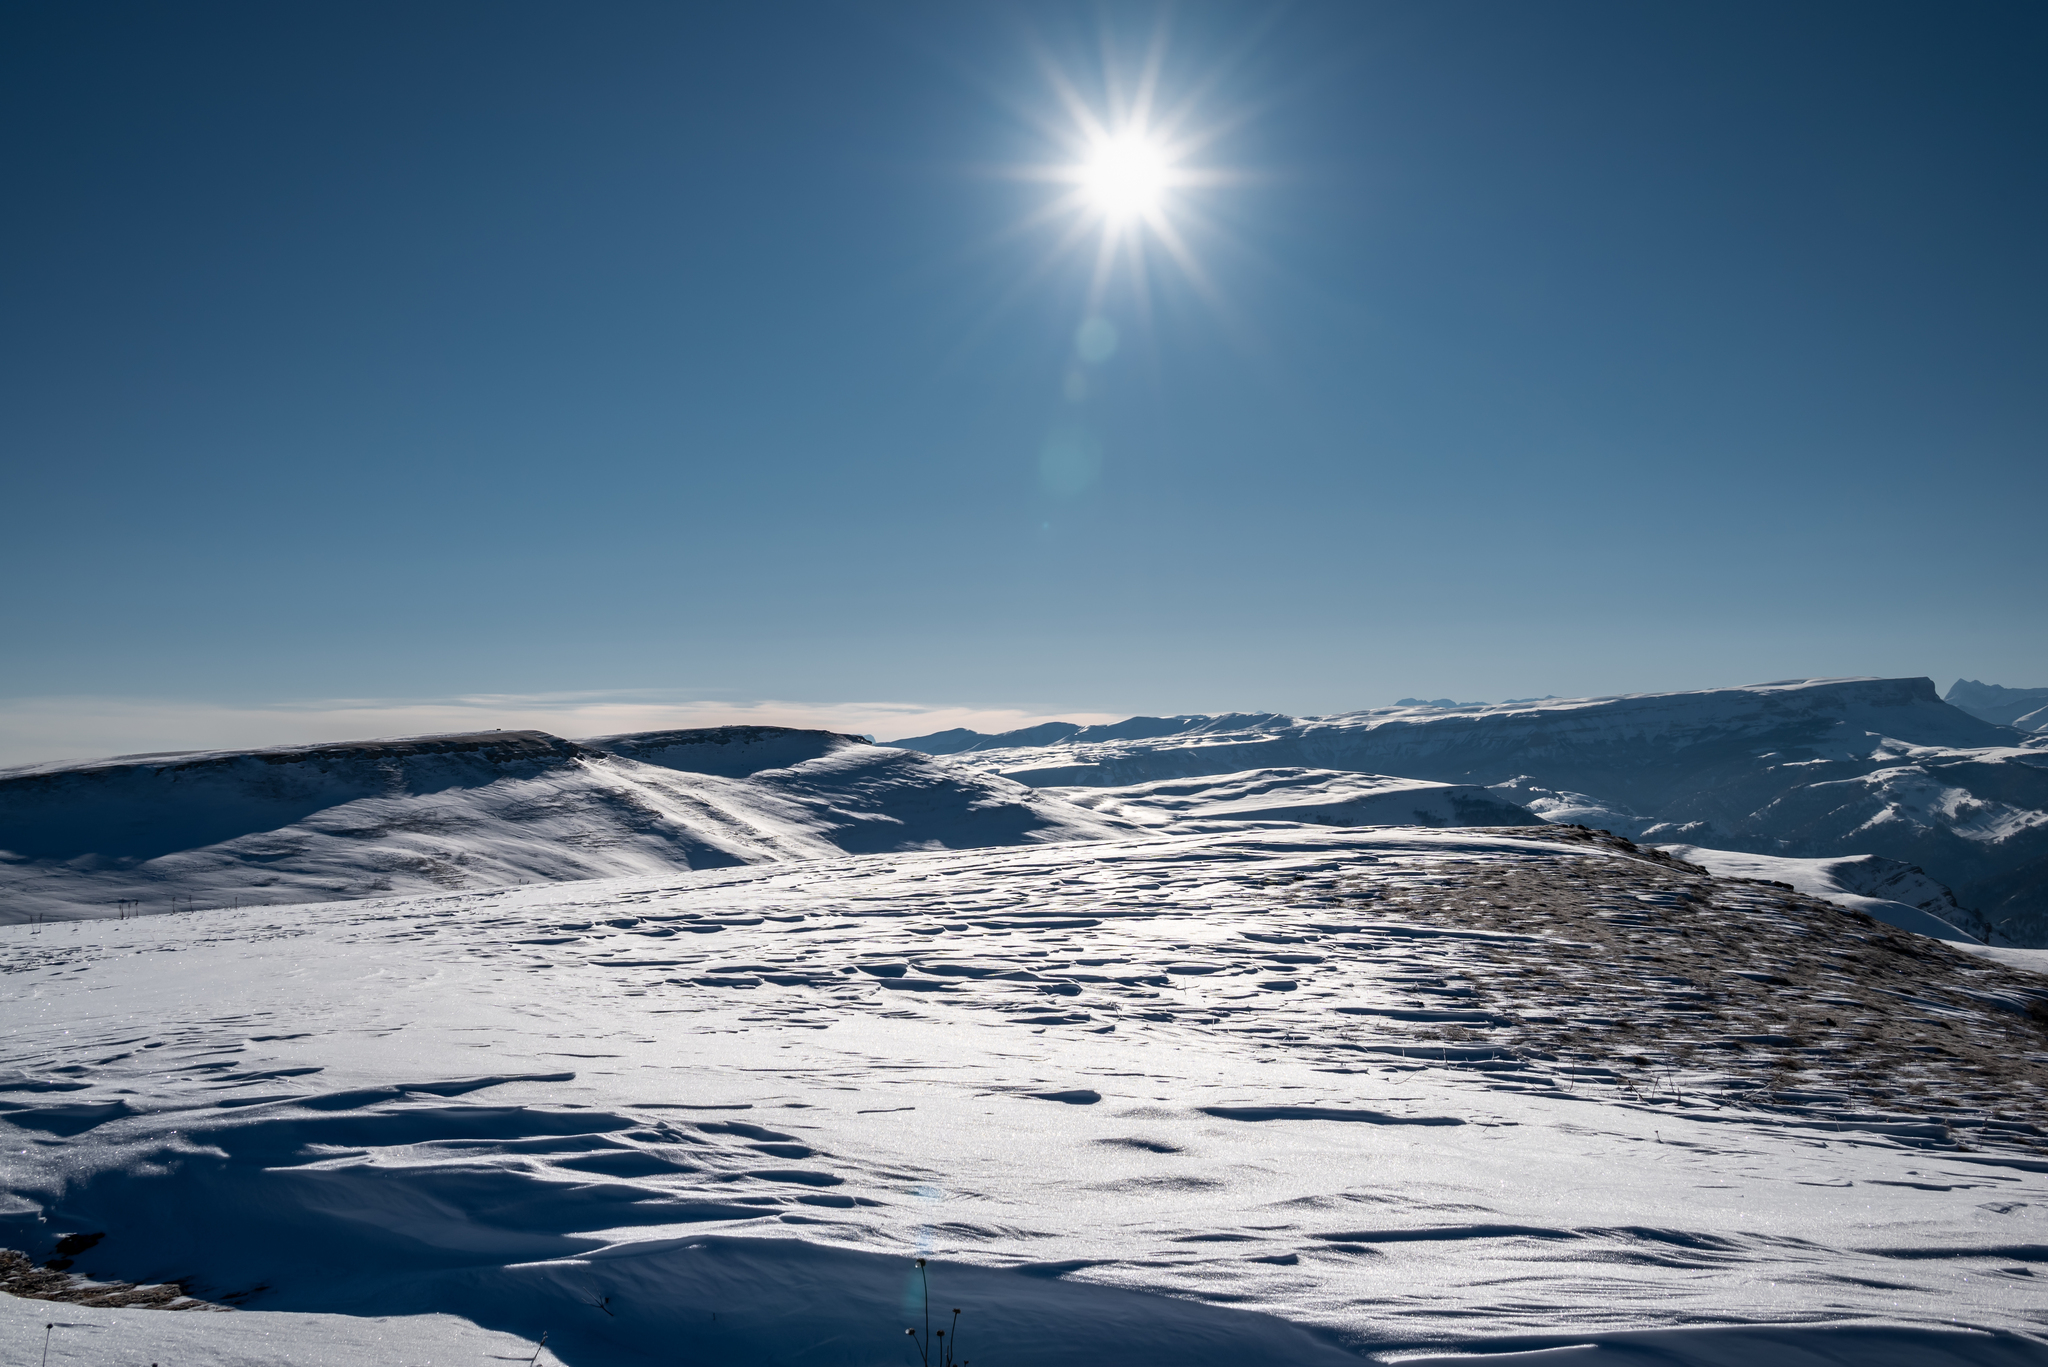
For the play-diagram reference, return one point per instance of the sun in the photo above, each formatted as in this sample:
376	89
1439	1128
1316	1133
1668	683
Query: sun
1128	185
1129	149
1126	177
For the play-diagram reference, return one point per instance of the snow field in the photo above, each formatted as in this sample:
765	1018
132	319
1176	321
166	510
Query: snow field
1318	797
1288	1094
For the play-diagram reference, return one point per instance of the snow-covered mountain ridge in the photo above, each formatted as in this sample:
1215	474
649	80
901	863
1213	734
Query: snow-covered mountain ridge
496	809
355	819
1827	770
1805	768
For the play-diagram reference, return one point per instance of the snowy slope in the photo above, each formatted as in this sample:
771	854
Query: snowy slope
502	808
1808	768
1290	1094
1319	797
493	809
1884	889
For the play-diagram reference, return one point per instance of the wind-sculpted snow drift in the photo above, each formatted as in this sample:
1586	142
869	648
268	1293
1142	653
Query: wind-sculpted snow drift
1278	1093
1807	768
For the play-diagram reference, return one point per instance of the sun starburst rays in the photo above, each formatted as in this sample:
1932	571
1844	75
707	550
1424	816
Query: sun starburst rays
1128	166
1133	210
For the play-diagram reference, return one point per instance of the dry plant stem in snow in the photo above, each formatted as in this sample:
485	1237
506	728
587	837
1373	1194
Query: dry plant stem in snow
932	1348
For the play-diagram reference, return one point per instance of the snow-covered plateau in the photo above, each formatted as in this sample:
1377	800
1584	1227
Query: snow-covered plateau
499	808
1270	1092
1803	768
1213	1041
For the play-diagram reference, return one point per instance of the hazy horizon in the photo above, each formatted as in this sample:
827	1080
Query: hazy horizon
39	731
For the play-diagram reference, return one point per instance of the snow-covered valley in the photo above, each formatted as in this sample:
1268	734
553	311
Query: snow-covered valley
1292	1094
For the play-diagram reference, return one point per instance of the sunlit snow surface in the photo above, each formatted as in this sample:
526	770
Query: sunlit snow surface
1897	894
1293	1095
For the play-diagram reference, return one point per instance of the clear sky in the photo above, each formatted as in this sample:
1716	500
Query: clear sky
363	360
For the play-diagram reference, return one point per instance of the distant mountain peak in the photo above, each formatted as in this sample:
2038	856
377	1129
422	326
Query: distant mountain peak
2025	708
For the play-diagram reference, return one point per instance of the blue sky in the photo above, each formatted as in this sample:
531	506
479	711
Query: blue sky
513	356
